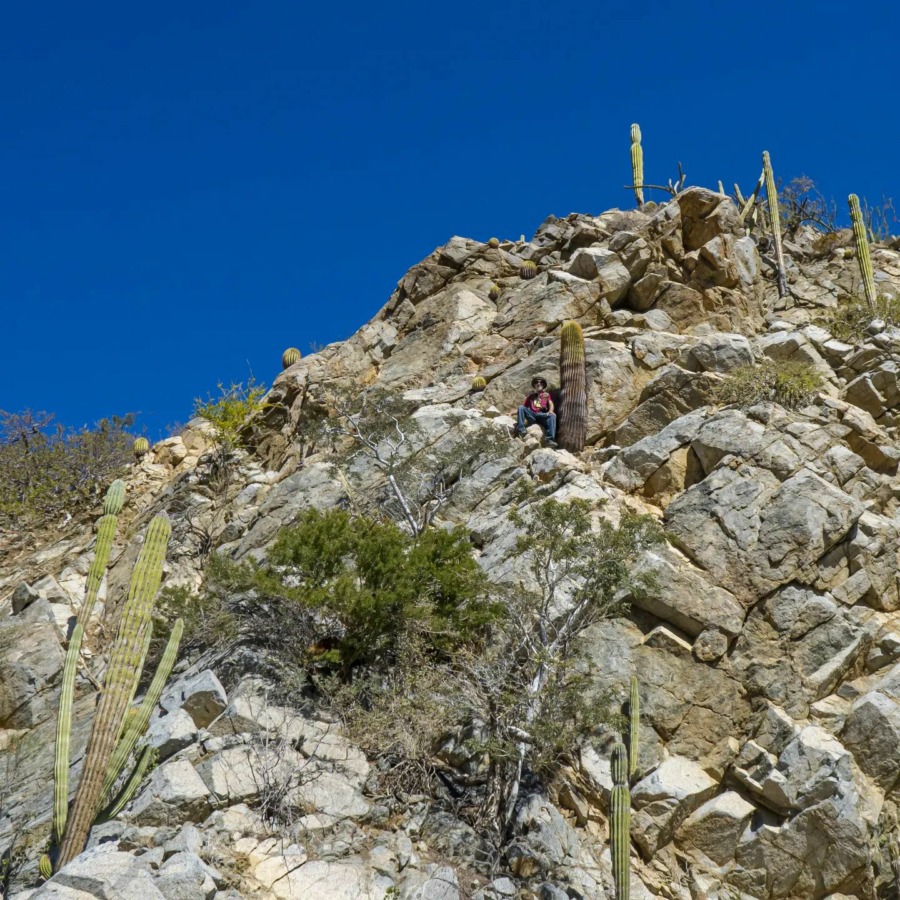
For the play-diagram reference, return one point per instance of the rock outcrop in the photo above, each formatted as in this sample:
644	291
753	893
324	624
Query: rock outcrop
768	653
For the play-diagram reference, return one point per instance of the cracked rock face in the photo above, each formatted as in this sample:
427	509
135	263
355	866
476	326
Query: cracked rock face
766	648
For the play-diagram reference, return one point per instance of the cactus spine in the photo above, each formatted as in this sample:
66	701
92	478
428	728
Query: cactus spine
862	250
637	164
620	822
479	383
772	198
121	677
140	447
634	725
573	382
290	357
528	269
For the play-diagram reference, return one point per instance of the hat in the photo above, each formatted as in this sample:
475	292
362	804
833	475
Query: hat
538	378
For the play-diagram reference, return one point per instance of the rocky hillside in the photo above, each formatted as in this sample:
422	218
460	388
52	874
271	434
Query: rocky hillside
768	654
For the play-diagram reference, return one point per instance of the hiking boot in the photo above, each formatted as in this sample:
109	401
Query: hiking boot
553	445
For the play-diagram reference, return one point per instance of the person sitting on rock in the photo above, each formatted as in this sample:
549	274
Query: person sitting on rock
538	409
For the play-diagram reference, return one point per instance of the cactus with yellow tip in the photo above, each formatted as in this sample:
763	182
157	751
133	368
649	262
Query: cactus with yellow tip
528	269
494	292
45	867
494	243
862	250
637	164
573	384
772	199
122	675
478	383
620	822
141	447
290	357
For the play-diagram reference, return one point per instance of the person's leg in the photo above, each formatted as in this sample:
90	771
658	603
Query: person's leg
525	415
551	426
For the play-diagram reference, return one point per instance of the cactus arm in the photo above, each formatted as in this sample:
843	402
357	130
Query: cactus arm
752	199
106	531
138	724
620	823
573	382
637	164
63	733
114	499
129	789
772	198
634	723
862	250
121	676
45	867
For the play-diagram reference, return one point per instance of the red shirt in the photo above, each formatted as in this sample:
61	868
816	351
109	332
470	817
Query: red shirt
538	402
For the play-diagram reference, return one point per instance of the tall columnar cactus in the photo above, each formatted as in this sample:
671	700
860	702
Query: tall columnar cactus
528	269
620	822
862	250
573	383
634	725
290	357
772	198
637	164
140	447
122	675
106	529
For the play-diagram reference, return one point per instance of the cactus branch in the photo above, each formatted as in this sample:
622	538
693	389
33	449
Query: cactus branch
862	250
620	823
63	732
129	789
637	163
634	723
772	198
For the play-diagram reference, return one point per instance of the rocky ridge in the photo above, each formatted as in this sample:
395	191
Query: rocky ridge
769	659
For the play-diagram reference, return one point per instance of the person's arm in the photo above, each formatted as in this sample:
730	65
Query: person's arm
552	409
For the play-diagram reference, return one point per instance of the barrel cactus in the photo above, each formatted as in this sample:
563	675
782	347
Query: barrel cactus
494	292
573	384
494	243
290	357
862	250
478	383
528	269
141	447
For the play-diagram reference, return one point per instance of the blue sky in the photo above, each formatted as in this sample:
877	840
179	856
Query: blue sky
189	188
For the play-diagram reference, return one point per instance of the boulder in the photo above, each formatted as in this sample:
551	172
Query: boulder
201	696
872	734
174	794
716	827
103	873
184	876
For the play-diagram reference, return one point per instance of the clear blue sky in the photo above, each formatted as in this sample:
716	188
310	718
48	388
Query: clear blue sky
189	188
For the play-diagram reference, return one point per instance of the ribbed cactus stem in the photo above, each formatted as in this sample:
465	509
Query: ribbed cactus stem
634	725
862	250
140	447
121	677
114	499
137	724
45	867
620	823
573	383
106	532
63	732
637	164
772	198
479	383
129	789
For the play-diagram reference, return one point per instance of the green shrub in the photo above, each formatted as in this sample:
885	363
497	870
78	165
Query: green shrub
49	472
228	413
850	319
790	383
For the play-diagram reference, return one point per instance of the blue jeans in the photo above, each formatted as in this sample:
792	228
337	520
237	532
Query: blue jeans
547	421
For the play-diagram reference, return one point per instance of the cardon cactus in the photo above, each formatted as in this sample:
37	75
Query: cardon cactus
528	269
290	357
478	383
573	384
494	292
634	724
114	499
122	675
637	164
140	447
862	250
772	199
620	822
494	243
